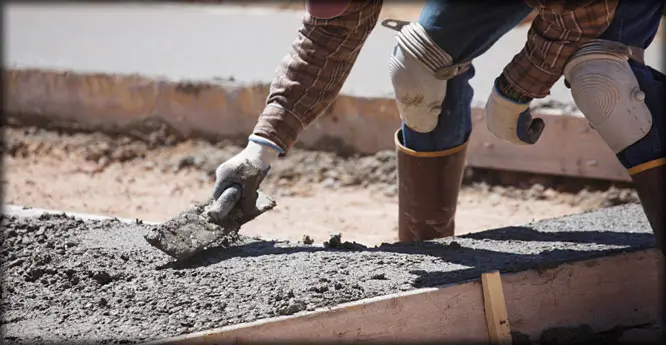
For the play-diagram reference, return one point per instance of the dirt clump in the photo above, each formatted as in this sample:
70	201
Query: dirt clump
335	241
307	240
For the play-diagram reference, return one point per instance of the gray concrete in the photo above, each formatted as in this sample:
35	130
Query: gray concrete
66	279
197	42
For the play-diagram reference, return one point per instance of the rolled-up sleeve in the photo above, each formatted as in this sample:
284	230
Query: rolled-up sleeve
554	36
312	73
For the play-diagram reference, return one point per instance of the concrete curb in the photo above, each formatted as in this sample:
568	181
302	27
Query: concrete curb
590	292
219	110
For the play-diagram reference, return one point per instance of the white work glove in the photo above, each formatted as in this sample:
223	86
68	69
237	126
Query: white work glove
238	178
511	121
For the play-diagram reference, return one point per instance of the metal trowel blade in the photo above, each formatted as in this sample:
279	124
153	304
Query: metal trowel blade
193	231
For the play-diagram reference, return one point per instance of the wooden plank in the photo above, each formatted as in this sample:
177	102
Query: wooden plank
218	111
624	289
603	293
568	147
495	310
426	314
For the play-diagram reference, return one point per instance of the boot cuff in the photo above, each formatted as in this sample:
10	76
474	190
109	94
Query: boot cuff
398	140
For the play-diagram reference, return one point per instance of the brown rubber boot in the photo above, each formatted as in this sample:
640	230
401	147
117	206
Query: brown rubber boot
649	181
428	189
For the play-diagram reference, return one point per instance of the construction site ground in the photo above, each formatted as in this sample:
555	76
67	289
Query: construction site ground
98	281
318	193
67	280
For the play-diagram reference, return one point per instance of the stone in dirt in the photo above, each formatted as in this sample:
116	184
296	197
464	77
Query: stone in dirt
335	241
192	231
307	240
99	282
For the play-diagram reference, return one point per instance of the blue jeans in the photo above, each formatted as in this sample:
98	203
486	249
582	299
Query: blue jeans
465	30
636	23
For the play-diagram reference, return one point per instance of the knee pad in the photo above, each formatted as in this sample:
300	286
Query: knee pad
607	92
419	70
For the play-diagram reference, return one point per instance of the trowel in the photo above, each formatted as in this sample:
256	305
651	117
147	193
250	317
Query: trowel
195	230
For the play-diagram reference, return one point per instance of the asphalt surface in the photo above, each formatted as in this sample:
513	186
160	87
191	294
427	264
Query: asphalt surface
99	281
195	42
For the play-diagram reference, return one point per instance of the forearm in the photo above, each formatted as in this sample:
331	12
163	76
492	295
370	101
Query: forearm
313	72
552	39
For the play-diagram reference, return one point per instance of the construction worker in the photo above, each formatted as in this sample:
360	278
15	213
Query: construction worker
430	69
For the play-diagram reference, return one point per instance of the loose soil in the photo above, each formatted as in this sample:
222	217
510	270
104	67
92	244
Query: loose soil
155	176
65	279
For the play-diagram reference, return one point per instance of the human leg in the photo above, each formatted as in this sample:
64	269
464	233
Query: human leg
633	124
431	151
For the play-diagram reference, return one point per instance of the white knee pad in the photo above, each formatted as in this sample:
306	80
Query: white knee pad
607	92
419	71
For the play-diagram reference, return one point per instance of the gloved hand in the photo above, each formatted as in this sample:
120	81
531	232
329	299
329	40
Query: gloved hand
510	120
238	179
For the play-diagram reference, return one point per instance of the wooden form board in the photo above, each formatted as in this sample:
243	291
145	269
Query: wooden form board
568	146
622	289
497	321
217	111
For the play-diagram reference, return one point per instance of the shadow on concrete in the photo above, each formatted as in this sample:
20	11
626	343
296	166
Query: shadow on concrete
479	260
473	261
523	233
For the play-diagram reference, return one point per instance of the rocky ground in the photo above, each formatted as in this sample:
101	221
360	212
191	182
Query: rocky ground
156	176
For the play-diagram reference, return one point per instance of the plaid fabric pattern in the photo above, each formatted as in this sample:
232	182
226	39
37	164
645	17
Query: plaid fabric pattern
553	38
315	69
312	73
558	6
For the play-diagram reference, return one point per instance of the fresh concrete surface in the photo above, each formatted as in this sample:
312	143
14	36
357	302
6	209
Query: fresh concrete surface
69	280
201	42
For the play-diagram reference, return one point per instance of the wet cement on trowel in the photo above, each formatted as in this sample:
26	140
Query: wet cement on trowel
193	231
65	279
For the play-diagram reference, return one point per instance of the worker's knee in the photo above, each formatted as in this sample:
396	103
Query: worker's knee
624	100
454	121
607	92
420	72
650	148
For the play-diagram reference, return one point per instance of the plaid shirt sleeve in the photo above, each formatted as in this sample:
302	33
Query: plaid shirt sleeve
556	33
314	70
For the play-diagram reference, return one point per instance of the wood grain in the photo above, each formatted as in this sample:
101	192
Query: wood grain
496	312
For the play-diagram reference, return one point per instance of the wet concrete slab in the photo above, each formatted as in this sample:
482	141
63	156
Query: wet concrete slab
69	279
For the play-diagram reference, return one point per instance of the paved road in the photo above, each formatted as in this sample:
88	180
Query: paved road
198	42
